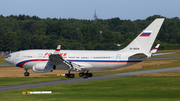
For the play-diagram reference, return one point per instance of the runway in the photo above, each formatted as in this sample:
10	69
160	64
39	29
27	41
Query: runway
5	64
117	75
162	58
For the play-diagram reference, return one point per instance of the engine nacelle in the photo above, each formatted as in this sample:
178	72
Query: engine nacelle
43	67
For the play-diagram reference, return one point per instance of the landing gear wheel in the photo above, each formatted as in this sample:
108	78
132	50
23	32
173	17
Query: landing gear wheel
90	74
85	76
81	74
72	76
26	74
67	75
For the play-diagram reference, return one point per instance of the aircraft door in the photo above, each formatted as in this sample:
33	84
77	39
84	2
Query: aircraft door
118	57
40	56
17	57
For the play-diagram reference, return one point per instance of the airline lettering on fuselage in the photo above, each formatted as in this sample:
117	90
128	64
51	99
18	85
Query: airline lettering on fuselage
62	54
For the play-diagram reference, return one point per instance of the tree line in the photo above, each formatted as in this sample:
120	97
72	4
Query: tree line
31	32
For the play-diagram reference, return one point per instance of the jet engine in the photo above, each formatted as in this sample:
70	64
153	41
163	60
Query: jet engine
43	67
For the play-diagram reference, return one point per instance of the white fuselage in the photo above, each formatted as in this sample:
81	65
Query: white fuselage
89	60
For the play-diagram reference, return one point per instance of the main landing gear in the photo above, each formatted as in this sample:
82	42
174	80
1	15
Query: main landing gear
26	73
85	75
69	75
82	74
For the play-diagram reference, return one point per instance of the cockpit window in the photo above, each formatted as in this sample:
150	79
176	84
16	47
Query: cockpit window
8	56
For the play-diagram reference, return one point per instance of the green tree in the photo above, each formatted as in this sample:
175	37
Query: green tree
108	37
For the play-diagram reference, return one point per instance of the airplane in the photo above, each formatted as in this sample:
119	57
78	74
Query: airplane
83	61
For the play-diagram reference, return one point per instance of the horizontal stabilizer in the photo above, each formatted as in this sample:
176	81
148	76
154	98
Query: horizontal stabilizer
163	53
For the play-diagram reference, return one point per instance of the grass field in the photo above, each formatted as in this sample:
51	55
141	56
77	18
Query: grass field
117	89
2	57
16	81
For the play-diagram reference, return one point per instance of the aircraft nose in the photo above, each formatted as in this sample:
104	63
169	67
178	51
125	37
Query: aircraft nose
6	60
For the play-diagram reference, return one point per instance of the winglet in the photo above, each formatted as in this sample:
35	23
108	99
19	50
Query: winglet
154	50
57	51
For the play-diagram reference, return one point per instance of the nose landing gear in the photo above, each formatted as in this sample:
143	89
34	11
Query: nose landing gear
26	73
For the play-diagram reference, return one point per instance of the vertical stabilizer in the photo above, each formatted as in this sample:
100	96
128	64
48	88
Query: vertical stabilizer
57	51
144	41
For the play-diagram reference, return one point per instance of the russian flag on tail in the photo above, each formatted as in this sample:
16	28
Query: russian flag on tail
57	49
145	34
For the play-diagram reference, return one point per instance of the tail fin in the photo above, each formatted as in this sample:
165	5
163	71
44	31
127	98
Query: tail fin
57	51
154	50
144	41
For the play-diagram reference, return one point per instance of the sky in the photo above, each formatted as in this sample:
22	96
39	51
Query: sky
85	9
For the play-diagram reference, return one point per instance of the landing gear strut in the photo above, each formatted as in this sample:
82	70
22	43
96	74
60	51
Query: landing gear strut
85	75
26	73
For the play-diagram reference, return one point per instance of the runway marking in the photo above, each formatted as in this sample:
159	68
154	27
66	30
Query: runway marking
37	92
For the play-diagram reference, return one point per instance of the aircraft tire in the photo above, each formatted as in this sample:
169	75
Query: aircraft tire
67	75
90	74
85	76
26	74
81	74
71	76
